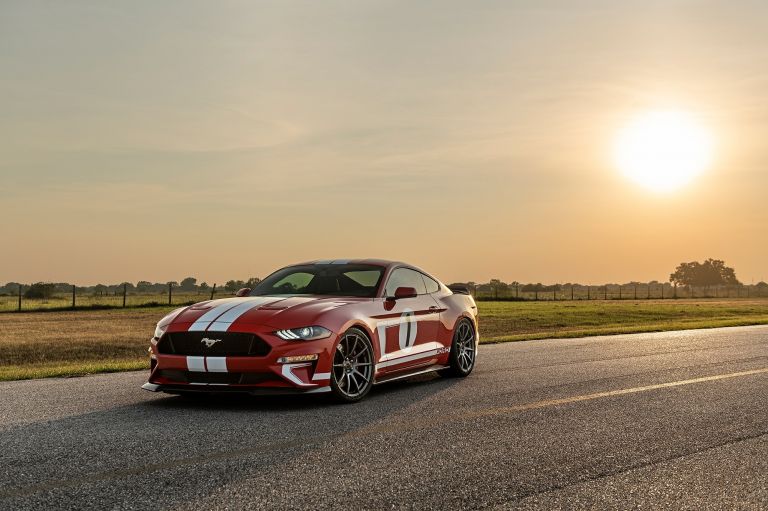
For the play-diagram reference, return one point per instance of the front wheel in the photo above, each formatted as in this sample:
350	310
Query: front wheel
463	350
352	375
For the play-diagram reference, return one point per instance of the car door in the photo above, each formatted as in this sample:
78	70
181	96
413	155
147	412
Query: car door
407	328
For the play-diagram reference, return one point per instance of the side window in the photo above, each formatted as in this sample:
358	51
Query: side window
403	277
432	285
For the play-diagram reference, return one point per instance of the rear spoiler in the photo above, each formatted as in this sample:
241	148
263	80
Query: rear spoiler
459	289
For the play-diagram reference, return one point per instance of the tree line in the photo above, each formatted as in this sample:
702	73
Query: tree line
706	274
188	285
709	273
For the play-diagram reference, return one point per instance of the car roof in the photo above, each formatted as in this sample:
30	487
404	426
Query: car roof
375	262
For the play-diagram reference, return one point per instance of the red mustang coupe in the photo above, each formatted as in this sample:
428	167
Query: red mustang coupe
337	326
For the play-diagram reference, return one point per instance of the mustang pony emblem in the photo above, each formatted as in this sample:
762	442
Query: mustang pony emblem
209	342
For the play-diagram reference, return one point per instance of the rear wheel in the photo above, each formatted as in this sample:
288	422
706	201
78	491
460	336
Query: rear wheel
463	350
352	375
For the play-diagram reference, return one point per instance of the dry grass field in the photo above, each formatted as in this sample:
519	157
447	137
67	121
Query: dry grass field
42	344
84	301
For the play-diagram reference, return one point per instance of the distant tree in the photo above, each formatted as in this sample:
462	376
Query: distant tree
143	286
172	283
761	285
12	287
99	289
498	287
188	284
252	282
40	290
712	272
203	286
233	285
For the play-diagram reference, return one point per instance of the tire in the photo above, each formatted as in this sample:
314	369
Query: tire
463	351
353	367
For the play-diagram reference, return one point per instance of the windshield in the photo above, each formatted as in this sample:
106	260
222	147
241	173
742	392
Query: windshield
323	279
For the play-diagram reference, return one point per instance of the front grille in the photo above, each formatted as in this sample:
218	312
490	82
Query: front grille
232	344
180	376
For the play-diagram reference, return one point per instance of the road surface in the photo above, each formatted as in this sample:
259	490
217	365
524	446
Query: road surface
675	419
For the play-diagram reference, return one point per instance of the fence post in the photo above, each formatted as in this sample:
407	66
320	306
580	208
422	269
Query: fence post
619	291
213	290
170	293
571	293
73	296
675	289
19	297
125	292
635	291
536	295
554	294
589	288
662	291
606	292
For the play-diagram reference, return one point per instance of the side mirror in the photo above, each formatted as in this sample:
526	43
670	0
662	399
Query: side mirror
244	292
403	292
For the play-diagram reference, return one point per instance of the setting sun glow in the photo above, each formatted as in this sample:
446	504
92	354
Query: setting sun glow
663	151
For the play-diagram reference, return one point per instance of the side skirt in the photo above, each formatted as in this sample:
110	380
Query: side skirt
421	370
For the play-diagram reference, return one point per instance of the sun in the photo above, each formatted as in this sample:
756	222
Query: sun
664	150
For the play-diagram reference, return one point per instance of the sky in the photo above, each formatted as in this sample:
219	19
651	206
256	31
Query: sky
153	140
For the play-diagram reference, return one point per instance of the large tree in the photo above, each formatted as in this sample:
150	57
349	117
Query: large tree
40	290
188	284
712	272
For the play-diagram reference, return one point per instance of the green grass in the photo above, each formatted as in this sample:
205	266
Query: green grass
517	321
54	369
71	343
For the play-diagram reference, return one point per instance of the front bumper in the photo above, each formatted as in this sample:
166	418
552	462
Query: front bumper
267	374
227	389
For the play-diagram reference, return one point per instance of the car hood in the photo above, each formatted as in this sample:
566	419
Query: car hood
275	311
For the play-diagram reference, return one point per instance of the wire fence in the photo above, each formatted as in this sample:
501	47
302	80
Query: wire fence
124	298
657	291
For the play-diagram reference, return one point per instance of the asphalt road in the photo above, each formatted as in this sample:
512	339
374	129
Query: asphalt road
674	419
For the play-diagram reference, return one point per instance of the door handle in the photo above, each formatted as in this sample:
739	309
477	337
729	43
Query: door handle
433	308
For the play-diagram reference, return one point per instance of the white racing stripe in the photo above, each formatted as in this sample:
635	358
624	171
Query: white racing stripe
203	321
414	351
223	322
196	364
216	364
410	358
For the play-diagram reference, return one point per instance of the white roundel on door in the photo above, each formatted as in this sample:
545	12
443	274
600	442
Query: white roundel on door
408	329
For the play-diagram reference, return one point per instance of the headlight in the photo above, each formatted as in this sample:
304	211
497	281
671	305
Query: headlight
159	331
305	333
